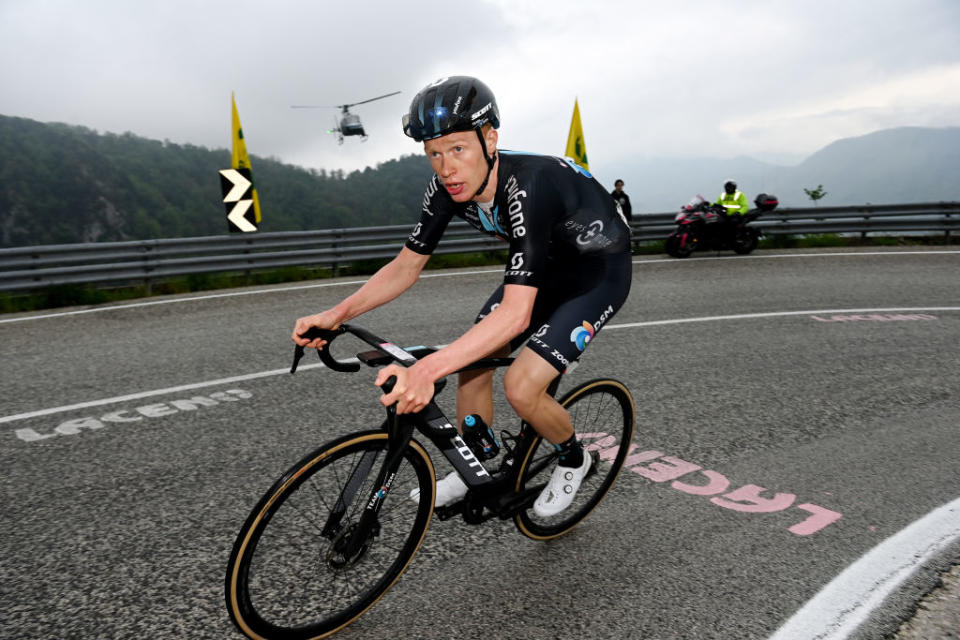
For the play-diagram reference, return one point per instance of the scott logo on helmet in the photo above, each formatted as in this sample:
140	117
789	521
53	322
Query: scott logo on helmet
482	111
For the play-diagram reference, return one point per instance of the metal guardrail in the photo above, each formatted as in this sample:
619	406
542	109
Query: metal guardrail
936	217
114	262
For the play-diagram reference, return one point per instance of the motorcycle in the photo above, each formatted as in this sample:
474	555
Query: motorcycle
704	225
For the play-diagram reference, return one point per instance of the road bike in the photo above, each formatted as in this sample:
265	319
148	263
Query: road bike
337	530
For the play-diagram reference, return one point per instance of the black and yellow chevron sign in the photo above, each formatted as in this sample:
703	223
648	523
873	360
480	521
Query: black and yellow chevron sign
237	188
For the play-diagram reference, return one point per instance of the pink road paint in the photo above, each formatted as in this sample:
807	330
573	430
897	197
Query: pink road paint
876	317
749	498
716	483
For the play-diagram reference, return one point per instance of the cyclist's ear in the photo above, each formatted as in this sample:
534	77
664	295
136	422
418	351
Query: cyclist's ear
491	136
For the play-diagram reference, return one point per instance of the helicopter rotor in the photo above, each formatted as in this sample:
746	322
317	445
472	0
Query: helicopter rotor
343	107
349	124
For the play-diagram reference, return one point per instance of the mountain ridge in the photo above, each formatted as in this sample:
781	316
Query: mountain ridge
904	164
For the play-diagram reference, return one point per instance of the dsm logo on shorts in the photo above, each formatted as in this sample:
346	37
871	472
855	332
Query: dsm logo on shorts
581	335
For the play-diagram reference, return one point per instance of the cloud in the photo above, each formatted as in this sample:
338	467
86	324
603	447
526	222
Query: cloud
686	78
924	97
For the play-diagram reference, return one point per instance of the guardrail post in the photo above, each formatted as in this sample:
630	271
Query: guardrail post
246	251
333	245
147	282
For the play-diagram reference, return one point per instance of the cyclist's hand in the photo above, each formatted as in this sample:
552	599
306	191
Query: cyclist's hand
325	320
412	391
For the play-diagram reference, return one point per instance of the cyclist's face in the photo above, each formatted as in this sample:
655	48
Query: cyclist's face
457	158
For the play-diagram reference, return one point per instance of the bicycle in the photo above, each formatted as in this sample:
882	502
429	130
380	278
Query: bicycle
337	530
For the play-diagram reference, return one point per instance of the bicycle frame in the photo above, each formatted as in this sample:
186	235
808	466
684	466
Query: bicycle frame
490	494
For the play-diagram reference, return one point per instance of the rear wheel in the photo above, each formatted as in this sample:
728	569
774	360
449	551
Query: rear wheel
745	241
301	566
603	418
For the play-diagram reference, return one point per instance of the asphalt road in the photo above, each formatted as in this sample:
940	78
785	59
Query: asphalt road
804	406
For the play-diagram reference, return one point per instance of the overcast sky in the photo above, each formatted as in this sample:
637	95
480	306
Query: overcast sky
772	79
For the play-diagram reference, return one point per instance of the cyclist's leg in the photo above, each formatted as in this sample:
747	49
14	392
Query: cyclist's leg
592	301
579	307
475	392
474	396
475	388
526	383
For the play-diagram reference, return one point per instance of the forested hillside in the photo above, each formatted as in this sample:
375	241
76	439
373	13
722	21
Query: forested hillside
65	184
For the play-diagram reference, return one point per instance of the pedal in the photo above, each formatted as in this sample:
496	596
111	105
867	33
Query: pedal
447	512
594	461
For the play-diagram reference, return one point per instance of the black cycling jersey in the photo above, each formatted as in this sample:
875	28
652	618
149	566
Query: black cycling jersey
546	208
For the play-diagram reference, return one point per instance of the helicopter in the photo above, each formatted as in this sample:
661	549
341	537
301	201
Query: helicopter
349	123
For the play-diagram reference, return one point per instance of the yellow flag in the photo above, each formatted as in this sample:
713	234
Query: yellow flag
576	147
241	160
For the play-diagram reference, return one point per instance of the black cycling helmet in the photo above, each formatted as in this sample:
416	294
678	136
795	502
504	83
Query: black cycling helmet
456	103
729	186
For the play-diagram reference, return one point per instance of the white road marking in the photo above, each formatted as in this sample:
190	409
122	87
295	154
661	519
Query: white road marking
232	294
155	392
629	325
851	597
774	314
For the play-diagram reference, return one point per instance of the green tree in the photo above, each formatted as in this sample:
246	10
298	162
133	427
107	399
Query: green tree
63	184
815	194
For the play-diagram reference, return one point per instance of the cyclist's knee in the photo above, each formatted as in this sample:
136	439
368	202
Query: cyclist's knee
525	387
523	400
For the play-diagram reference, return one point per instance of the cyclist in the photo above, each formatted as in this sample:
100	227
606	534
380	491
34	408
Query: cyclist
568	273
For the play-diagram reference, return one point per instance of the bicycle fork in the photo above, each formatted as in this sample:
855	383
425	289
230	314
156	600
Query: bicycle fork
349	543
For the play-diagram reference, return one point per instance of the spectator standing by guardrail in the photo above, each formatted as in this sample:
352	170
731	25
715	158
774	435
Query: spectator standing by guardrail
623	199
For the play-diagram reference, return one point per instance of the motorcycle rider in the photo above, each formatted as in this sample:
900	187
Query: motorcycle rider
733	200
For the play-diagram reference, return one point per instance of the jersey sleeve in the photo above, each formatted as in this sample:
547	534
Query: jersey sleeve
435	215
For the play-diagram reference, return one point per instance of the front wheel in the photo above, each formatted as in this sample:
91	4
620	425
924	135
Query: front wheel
670	246
302	565
684	244
603	417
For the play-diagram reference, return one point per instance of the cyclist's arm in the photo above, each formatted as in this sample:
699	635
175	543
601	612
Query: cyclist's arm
414	387
503	324
387	283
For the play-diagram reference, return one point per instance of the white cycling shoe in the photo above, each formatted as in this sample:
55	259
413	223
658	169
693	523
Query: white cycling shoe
562	488
449	490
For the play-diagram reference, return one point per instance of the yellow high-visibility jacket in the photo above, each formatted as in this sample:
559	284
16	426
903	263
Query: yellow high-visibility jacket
736	202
